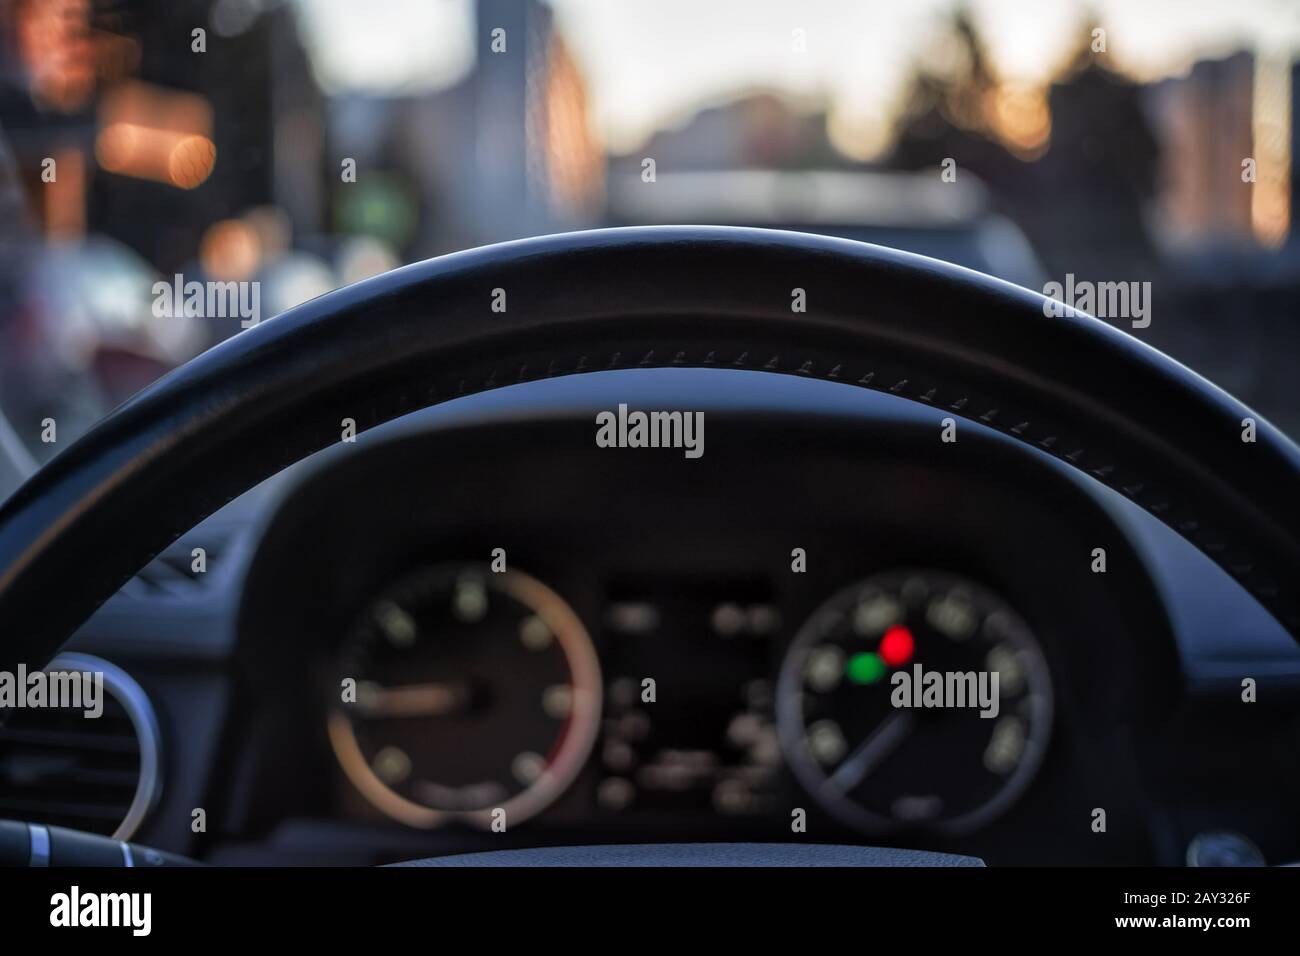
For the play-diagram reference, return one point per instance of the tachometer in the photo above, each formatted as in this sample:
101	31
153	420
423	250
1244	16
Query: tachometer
473	692
914	699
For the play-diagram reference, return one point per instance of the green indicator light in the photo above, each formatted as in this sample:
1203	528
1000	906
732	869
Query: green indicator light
865	668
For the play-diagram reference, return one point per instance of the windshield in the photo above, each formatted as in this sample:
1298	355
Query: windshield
174	173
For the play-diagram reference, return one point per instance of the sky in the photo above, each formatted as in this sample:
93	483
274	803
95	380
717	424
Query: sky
650	64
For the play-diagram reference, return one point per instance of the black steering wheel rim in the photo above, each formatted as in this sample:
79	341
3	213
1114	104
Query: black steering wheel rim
972	347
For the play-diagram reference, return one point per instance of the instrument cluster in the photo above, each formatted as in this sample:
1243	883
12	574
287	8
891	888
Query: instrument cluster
471	693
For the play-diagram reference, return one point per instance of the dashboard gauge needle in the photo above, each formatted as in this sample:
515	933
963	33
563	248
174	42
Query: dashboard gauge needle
411	700
879	745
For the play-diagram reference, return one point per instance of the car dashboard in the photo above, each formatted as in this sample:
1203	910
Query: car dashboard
475	628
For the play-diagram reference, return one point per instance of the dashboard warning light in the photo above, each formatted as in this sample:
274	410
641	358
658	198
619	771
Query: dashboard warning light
897	646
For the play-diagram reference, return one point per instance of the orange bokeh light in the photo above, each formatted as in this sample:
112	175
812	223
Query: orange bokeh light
230	251
152	133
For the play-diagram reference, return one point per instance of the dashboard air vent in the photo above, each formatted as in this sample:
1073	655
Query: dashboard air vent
57	767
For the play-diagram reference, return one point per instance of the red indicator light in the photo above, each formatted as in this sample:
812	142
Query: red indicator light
897	646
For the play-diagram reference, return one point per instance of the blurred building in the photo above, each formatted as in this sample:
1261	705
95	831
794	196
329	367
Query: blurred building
1294	235
1204	123
138	139
756	129
153	140
506	152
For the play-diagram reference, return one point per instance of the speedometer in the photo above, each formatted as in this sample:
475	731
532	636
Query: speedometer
466	695
914	699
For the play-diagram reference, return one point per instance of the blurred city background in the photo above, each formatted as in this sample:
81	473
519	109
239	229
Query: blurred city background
1104	140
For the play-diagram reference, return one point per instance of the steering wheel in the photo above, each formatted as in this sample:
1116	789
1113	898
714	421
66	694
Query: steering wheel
972	347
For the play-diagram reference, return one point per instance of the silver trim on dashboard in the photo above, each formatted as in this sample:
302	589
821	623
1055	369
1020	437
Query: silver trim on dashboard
144	720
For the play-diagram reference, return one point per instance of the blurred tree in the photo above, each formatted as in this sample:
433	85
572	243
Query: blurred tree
1075	166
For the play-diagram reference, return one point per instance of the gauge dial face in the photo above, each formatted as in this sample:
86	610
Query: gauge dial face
475	692
914	700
